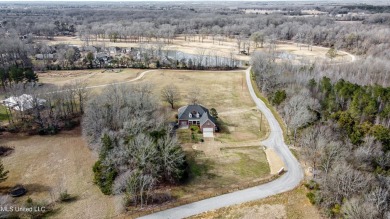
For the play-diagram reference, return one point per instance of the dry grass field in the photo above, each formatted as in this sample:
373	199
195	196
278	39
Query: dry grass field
47	165
91	77
231	168
289	205
225	91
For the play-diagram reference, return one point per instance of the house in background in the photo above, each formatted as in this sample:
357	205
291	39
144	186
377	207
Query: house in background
23	102
197	115
46	56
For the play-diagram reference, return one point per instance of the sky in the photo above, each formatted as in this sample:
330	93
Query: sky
141	0
345	1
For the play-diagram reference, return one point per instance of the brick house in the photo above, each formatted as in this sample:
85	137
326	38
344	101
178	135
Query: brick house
196	114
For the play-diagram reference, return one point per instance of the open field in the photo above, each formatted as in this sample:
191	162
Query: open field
291	205
91	77
224	48
224	91
46	165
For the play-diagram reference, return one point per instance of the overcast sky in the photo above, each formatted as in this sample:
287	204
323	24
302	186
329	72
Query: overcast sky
386	2
143	0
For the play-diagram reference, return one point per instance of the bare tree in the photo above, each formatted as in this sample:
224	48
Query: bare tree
170	94
193	96
359	209
344	182
171	157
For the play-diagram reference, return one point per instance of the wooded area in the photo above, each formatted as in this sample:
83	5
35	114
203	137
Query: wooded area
342	130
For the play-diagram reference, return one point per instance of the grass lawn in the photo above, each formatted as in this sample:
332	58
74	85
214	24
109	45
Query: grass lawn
234	167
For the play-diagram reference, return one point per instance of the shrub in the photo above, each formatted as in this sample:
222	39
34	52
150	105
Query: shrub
5	150
195	128
214	113
104	177
312	185
40	209
312	197
64	196
279	97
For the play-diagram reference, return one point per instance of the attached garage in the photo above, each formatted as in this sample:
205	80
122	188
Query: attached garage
208	132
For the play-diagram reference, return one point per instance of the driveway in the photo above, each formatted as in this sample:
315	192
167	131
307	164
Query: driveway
286	182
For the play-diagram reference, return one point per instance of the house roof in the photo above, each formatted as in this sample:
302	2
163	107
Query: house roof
22	102
204	115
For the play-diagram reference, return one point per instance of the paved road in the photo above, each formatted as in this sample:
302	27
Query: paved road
288	181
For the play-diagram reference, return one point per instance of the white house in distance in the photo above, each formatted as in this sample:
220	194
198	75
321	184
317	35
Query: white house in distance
23	102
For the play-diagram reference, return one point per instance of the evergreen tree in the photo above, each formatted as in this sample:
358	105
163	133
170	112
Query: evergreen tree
16	74
30	76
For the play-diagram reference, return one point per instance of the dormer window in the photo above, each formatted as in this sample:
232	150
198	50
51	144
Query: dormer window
197	115
190	115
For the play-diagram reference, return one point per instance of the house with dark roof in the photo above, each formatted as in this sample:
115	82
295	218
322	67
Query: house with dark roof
198	115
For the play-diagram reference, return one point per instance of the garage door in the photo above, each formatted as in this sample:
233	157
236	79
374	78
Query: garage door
208	133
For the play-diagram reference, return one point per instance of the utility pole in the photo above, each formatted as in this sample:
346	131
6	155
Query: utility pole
261	119
242	83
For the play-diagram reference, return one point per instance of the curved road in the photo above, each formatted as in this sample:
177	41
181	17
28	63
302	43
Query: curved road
286	182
